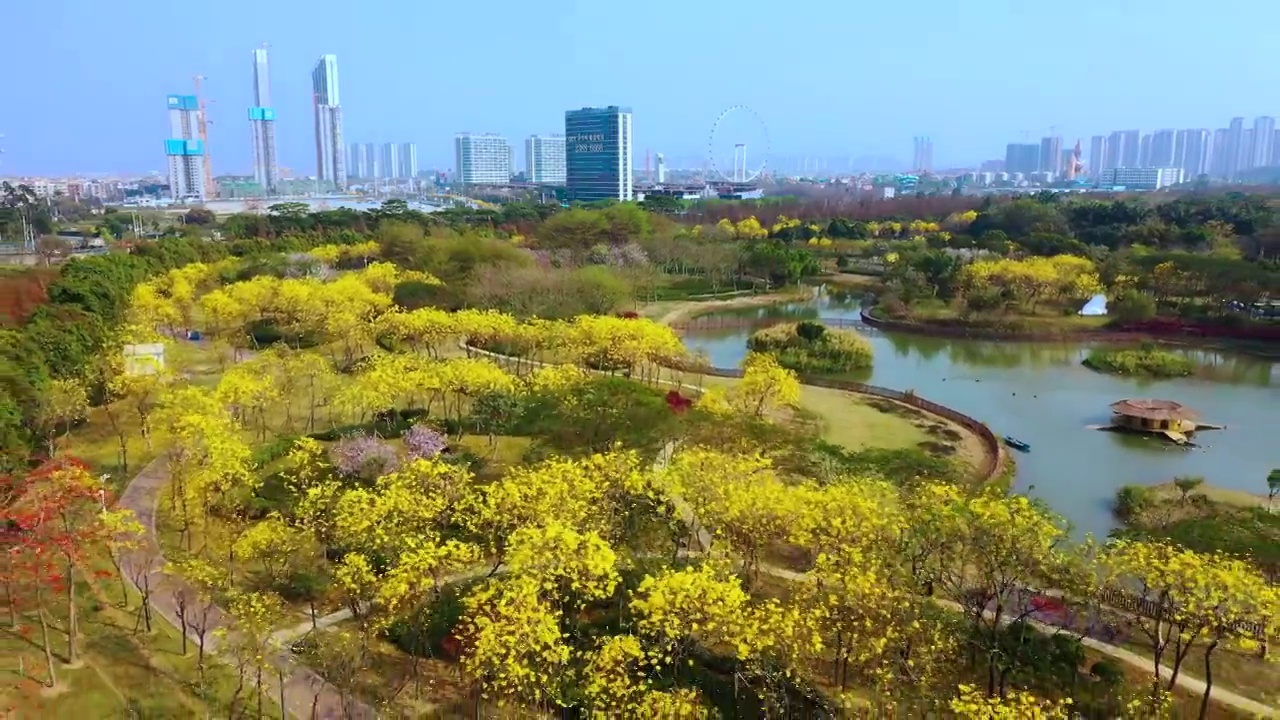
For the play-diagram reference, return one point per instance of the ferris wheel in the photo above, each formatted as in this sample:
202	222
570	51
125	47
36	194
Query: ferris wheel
738	130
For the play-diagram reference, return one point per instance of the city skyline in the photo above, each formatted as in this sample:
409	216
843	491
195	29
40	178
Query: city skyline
581	66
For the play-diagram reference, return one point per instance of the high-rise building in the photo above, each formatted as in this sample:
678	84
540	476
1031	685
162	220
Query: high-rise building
922	158
184	149
597	153
1194	148
262	117
390	161
372	161
1144	151
1115	148
1246	152
1022	158
357	166
331	166
1219	156
1238	151
1164	144
1097	155
482	159
661	169
544	159
1124	148
1050	155
1264	132
408	160
1275	149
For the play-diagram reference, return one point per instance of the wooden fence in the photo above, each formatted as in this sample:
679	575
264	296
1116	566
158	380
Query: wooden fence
1129	602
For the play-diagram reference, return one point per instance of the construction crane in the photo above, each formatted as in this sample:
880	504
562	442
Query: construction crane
210	187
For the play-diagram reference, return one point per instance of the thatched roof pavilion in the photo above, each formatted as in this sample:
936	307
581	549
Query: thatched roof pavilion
1159	415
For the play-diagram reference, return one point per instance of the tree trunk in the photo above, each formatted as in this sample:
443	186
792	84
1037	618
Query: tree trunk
44	632
1208	679
71	613
8	592
181	610
124	589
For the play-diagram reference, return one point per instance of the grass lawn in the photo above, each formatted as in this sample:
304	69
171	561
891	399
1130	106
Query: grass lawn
121	674
852	280
1225	496
858	422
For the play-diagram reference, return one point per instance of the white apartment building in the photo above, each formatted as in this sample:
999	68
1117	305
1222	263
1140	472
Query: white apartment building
544	159
1141	178
482	159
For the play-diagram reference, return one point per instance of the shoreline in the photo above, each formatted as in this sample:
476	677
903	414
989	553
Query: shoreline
1118	337
685	310
994	466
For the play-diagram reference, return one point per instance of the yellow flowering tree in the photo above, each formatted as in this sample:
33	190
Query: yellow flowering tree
765	387
972	704
1198	600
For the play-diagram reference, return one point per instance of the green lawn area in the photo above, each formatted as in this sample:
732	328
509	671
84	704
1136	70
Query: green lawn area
858	422
846	418
121	674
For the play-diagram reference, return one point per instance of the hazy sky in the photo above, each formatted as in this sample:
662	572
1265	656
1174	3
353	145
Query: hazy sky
85	82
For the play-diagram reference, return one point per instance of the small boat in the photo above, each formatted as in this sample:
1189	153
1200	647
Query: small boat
1016	444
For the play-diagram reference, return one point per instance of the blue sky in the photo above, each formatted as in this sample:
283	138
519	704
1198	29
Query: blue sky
86	80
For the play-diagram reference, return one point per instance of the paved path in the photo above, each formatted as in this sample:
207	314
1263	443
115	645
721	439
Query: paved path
304	690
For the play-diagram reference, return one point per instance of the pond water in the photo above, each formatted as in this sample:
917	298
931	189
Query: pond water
1041	394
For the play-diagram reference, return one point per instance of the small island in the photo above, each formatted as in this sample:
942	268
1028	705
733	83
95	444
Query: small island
810	347
1146	361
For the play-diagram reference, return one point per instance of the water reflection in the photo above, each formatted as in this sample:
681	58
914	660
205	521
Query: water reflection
1041	393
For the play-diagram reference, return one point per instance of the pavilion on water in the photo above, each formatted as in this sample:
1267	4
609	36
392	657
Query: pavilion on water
1166	417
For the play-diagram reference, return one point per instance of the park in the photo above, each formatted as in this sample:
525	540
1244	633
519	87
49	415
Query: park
417	471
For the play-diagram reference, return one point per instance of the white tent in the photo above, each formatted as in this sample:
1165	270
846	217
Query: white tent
1097	305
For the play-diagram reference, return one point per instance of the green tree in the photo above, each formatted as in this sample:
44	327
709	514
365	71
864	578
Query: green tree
1133	305
1186	484
575	229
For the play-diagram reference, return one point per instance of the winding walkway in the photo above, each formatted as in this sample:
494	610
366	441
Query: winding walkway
306	694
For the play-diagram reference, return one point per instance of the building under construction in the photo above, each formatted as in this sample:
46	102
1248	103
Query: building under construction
185	150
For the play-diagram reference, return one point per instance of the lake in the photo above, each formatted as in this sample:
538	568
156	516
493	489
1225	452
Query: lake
1041	394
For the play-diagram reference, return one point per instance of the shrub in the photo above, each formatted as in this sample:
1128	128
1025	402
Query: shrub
426	634
1133	306
811	347
422	441
1107	671
810	331
1131	501
363	456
